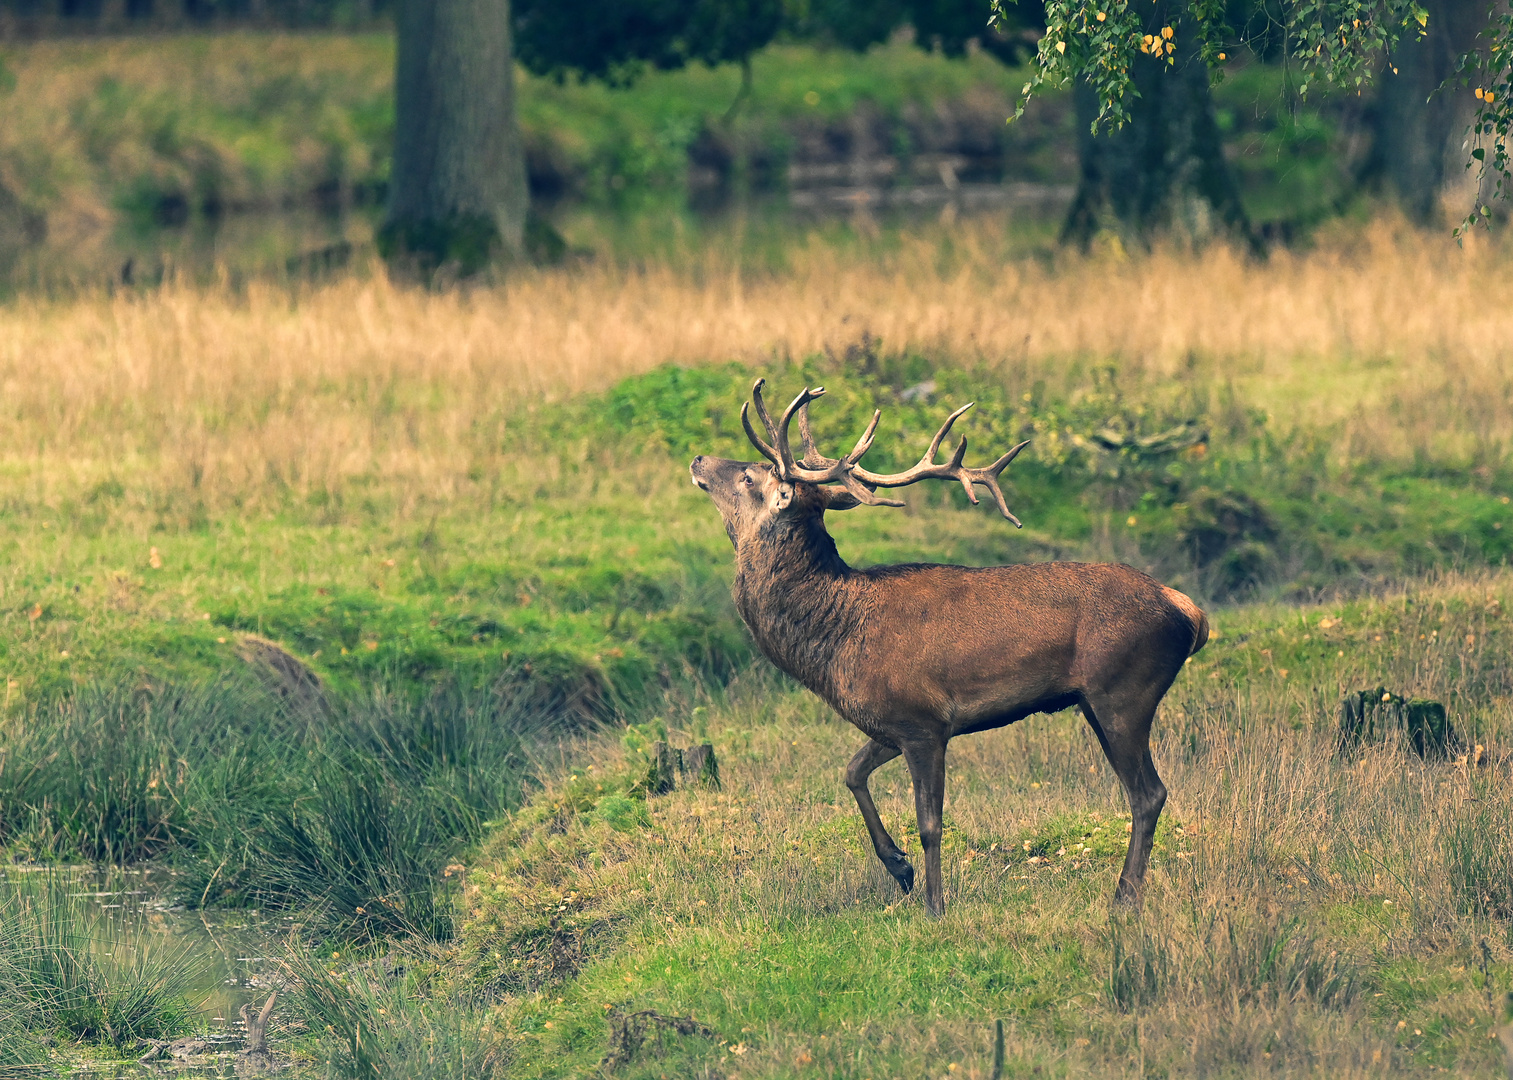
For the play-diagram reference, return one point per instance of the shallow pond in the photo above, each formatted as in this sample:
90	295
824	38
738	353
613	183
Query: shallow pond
305	244
131	919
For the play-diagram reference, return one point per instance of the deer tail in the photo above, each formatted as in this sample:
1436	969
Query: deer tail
1194	615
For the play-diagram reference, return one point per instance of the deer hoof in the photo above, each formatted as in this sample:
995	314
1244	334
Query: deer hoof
902	872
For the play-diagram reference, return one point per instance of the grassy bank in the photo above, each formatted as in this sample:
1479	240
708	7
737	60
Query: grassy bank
397	503
1309	914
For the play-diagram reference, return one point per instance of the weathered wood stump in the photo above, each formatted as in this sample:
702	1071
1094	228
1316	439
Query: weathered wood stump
665	762
696	765
700	766
1373	716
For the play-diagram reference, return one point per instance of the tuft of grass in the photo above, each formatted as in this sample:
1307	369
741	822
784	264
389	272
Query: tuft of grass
65	979
386	804
393	1017
120	774
354	807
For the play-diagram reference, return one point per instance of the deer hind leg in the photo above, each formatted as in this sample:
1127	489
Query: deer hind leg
927	768
867	760
1124	733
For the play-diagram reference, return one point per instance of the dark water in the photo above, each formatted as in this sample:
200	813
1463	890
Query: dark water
293	243
309	244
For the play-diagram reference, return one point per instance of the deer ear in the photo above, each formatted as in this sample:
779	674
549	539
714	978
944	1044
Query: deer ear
782	496
838	498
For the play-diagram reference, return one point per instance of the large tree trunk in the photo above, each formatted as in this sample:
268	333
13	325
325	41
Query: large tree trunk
1164	172
1419	151
457	194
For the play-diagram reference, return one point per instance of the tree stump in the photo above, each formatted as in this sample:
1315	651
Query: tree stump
700	766
697	765
666	763
1373	716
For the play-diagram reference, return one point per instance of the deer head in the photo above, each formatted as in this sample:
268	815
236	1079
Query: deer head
753	497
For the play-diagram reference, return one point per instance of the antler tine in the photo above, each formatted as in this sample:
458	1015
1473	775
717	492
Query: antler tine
865	442
761	408
945	429
987	476
756	440
800	405
928	469
812	458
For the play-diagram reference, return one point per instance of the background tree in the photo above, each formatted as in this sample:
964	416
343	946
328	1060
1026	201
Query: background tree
1163	171
1419	129
457	192
1152	158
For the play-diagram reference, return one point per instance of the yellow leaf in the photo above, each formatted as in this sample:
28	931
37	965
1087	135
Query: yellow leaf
1061	46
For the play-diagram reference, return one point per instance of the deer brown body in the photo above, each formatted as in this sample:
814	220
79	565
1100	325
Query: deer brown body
915	655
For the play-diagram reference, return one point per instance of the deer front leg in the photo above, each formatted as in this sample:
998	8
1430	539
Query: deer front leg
867	760
927	767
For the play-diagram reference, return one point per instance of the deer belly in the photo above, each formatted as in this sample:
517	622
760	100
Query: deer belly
971	685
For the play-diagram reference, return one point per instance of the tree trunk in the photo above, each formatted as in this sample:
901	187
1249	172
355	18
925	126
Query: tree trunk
1419	151
457	194
1164	171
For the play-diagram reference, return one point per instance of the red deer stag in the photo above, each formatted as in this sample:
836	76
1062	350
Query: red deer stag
914	655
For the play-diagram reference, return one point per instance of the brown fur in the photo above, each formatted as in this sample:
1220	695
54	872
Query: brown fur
915	655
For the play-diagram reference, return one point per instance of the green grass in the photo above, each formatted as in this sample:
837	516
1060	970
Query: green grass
1309	914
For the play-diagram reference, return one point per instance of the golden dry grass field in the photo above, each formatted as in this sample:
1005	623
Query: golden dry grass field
1397	338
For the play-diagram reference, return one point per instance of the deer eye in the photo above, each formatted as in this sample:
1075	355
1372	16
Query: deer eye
746	479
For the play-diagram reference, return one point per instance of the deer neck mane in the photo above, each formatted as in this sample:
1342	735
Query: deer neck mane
799	598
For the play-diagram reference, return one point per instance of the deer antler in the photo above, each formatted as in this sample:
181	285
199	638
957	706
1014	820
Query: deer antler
815	468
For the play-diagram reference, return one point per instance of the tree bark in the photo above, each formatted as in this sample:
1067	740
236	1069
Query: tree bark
1419	150
1164	171
457	195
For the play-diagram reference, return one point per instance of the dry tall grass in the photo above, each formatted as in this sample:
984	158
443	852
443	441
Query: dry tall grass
1399	338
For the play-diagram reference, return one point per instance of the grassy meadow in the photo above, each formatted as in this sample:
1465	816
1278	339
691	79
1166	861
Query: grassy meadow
1307	914
466	515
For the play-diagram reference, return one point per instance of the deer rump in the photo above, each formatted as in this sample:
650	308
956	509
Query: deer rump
915	655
